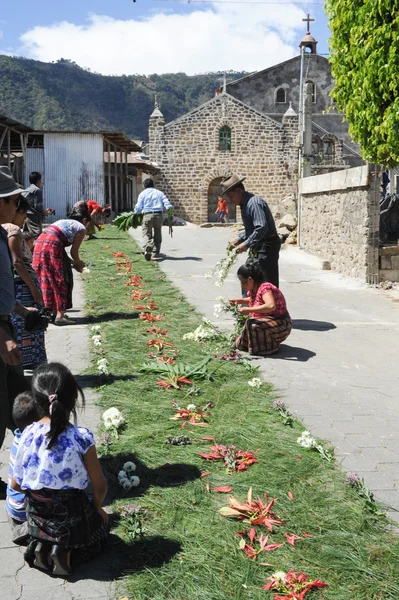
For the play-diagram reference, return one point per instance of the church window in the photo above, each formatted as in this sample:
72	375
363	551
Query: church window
328	150
281	96
312	90
225	138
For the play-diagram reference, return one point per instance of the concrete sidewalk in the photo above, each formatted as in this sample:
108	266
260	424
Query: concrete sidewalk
92	581
337	370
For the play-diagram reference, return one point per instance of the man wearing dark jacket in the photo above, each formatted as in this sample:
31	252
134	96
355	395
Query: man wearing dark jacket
260	235
36	212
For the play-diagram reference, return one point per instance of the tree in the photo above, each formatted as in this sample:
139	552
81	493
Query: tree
365	64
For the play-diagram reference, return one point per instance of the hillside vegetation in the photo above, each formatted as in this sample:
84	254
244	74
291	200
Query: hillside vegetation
64	96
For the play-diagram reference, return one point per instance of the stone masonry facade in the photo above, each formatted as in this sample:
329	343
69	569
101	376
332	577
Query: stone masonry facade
339	221
188	155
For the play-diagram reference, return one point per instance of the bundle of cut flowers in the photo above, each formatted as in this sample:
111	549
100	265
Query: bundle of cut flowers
113	419
104	443
103	366
205	331
293	585
283	411
307	441
223	267
133	521
255	512
192	414
248	540
255	382
126	477
235	460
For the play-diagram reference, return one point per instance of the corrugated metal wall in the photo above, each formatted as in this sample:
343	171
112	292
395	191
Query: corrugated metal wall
34	161
74	170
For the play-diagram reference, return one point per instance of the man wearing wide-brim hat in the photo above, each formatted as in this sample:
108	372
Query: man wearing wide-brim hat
260	235
12	380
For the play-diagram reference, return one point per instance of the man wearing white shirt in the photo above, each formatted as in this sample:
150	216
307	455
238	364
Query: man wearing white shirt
152	203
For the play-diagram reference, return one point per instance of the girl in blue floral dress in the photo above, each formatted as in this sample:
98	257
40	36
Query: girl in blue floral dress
55	463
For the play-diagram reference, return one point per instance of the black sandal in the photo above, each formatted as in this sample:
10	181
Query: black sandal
58	558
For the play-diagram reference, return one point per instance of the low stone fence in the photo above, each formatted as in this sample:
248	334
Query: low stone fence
339	220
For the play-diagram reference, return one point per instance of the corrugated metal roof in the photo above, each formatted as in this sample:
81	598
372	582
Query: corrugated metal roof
117	138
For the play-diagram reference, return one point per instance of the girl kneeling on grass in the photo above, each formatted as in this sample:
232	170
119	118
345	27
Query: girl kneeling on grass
54	464
269	323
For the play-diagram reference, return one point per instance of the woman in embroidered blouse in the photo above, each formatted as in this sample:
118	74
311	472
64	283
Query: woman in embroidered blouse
54	464
52	264
268	323
27	290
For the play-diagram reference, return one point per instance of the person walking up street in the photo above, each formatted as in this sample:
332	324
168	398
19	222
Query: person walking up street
12	381
260	235
36	212
152	203
222	209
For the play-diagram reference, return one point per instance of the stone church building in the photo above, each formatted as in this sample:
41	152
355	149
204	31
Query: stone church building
250	128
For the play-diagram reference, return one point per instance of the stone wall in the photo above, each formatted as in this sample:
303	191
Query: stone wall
187	153
339	220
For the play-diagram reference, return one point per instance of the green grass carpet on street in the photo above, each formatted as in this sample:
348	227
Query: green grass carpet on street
189	551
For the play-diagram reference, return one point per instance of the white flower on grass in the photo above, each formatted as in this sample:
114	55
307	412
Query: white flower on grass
103	366
280	576
97	340
191	407
255	382
306	440
129	467
85	270
113	418
135	481
96	328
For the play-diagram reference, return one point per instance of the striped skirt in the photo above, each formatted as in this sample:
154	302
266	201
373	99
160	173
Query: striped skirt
31	344
54	272
261	337
67	518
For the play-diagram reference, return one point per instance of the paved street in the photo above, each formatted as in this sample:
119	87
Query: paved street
88	582
338	369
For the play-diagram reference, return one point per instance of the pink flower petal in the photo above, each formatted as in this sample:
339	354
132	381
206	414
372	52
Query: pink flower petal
223	489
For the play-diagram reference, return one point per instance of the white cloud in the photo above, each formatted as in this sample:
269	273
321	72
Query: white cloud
222	37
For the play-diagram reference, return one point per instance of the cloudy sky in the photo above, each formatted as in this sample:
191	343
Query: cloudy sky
160	36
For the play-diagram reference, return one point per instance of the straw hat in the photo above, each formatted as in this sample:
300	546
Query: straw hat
230	182
8	187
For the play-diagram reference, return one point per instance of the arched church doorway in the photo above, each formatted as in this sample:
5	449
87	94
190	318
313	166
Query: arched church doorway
214	191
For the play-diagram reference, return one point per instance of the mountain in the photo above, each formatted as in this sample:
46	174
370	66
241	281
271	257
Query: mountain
64	96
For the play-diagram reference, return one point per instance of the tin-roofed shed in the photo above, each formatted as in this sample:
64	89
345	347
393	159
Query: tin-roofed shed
73	168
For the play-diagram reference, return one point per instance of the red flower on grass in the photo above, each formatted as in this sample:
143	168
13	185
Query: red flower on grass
255	512
156	331
159	344
292	538
147	316
247	543
293	585
235	460
139	295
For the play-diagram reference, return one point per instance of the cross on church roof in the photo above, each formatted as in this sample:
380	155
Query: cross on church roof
308	20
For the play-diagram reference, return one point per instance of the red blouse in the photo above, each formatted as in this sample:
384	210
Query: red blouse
257	300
